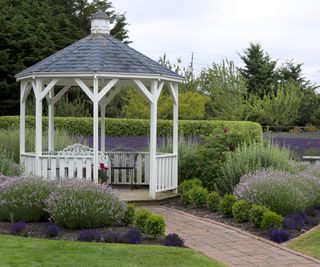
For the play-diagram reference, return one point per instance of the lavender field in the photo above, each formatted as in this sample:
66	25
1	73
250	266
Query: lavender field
303	144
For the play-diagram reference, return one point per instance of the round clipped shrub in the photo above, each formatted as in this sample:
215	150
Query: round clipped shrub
279	236
226	203
155	225
213	201
186	186
52	230
256	213
78	204
89	235
198	196
23	198
240	210
173	240
141	219
128	217
271	219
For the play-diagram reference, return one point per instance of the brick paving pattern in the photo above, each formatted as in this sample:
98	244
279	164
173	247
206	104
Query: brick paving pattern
229	245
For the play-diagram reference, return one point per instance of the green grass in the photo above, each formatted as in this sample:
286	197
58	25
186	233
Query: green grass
308	243
20	251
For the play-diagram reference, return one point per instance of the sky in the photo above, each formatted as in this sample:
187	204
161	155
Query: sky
218	29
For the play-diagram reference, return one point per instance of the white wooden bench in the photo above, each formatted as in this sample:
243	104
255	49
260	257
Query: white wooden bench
312	159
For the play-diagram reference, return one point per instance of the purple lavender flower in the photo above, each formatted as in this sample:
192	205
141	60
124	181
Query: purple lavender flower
279	236
173	240
133	236
52	230
89	235
110	237
18	227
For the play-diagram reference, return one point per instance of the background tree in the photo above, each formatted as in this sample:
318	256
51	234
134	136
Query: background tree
259	70
33	29
226	89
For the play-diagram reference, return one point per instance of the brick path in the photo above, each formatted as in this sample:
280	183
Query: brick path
230	245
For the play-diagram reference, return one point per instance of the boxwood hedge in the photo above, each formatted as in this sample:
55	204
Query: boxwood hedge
138	127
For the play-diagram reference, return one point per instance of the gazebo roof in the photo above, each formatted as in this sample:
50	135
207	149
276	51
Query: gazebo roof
101	53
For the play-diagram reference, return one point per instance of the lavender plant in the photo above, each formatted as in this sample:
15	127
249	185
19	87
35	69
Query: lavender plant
52	230
89	235
18	227
80	204
282	192
173	240
23	198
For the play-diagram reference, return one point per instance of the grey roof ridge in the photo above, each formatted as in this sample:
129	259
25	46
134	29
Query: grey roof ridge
70	52
114	40
76	46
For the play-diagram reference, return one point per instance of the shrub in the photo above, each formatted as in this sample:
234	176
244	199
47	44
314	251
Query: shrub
198	196
133	236
7	165
18	227
271	219
251	158
137	127
89	235
295	221
82	204
52	230
110	237
155	225
226	203
173	240
240	210
256	214
128	217
279	236
23	198
282	192
213	201
186	186
141	219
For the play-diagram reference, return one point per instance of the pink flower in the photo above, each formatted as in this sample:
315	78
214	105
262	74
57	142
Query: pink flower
103	167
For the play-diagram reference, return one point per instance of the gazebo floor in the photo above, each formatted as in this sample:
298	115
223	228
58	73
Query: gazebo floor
140	196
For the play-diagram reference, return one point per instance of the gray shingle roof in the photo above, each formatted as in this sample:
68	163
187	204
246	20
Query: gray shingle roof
98	53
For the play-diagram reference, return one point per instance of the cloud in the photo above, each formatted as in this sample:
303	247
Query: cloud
215	29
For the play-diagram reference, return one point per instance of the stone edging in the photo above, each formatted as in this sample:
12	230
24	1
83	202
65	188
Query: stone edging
243	232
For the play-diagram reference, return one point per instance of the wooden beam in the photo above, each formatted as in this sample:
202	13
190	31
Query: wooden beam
144	91
61	93
159	90
173	93
107	88
107	100
85	88
48	88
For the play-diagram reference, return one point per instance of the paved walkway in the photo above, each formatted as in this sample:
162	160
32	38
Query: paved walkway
229	245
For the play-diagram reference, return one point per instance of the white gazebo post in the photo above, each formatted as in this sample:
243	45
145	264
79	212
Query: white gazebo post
95	129
175	141
23	96
153	140
51	121
38	86
103	127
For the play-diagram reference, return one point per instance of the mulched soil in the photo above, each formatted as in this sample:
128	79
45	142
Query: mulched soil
246	226
37	230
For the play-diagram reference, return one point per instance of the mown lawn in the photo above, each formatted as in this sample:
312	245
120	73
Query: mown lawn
20	251
308	243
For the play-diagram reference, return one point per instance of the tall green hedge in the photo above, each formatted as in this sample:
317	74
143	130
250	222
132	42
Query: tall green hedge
137	127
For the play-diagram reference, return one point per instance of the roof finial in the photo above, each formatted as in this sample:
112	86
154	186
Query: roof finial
100	23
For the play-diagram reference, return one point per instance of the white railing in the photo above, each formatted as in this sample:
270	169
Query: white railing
167	172
56	165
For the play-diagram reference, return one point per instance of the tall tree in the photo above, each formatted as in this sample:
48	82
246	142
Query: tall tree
259	70
33	29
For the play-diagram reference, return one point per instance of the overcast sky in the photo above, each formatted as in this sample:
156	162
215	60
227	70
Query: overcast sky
217	29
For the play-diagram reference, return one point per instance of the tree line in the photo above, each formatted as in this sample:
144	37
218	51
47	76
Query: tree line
262	90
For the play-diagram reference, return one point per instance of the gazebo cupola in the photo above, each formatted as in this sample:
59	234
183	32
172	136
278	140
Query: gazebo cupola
101	66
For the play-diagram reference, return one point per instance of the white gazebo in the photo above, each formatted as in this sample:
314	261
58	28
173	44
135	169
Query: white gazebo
101	66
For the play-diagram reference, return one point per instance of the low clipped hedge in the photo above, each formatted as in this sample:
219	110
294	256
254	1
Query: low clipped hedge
137	127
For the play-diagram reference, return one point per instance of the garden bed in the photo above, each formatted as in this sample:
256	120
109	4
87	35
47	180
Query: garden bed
216	216
38	229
